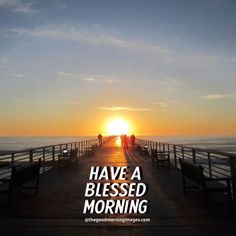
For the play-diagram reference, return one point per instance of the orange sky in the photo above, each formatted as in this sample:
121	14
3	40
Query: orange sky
75	123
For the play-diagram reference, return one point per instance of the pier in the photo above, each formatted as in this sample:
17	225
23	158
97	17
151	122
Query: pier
58	207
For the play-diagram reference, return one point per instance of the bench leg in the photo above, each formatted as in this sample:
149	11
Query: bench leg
10	193
229	194
153	160
37	185
206	200
184	183
168	161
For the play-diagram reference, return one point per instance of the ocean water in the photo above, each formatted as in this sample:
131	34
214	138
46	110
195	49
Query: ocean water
21	143
220	143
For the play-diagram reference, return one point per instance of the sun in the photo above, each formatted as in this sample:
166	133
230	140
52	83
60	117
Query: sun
118	127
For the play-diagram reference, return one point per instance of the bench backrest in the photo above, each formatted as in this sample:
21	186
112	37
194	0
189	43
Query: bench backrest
193	172
154	152
22	174
73	153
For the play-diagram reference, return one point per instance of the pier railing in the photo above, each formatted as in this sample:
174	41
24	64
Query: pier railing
216	164
48	154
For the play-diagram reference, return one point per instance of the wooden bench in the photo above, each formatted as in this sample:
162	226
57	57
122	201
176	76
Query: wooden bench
21	174
68	159
89	151
160	157
194	173
143	151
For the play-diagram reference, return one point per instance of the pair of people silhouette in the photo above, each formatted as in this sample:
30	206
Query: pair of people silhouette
100	139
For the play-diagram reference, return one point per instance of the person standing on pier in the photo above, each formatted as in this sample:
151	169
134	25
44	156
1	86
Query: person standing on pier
125	141
132	140
100	139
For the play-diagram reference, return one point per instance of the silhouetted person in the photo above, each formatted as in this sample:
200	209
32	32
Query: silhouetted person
122	139
132	140
100	139
125	141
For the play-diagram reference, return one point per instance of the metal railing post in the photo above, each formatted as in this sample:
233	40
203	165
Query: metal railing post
194	155
31	156
168	150
53	153
233	174
43	159
79	148
175	156
209	164
12	159
182	149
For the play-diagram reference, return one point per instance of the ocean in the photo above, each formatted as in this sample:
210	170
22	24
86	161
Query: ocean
21	143
219	143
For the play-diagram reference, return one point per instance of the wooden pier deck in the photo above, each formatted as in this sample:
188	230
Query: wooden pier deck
58	208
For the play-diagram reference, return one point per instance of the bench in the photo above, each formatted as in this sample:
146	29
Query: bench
143	151
160	157
68	159
194	173
89	151
21	174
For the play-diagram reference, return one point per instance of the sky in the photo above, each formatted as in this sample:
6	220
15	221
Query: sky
167	67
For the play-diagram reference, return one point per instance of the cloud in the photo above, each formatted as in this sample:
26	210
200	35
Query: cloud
219	96
123	109
97	36
162	83
18	75
87	78
46	102
4	59
18	6
61	6
3	62
161	104
170	84
89	35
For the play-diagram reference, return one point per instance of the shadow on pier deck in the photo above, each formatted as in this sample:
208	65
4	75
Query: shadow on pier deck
57	209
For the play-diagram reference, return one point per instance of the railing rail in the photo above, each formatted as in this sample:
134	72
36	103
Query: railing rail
216	164
48	154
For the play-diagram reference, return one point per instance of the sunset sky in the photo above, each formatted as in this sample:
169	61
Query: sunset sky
167	67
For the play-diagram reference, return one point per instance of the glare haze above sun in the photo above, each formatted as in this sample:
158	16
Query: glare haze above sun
118	127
